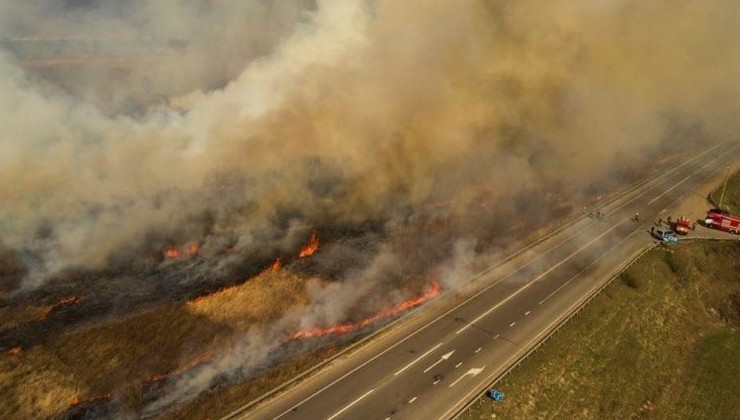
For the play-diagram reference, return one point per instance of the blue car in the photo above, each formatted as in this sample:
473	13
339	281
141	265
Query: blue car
495	395
668	236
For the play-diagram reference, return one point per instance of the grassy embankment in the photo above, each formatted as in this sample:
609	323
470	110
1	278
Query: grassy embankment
731	199
662	342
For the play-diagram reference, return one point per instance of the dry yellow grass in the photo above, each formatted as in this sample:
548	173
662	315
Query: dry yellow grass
213	405
11	318
119	356
254	303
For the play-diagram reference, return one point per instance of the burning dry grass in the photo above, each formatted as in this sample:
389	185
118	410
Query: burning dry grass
11	317
431	292
118	358
124	359
42	380
216	404
14	317
311	247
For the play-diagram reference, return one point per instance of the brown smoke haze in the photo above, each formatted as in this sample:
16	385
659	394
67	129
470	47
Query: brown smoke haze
244	125
390	104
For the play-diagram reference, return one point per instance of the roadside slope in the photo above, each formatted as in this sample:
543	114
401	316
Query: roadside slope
661	342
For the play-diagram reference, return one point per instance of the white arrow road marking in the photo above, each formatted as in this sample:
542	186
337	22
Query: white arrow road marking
417	359
442	358
471	372
351	404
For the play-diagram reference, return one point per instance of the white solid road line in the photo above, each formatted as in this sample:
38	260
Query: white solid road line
570	280
536	279
417	359
680	182
665	174
587	267
523	348
480	292
351	404
674	186
432	322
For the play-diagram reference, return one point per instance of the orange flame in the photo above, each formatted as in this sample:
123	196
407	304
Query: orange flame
67	301
15	350
311	247
171	253
206	358
76	400
192	248
155	378
277	265
64	302
431	292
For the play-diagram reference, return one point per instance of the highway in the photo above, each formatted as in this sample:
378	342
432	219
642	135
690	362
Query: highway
433	362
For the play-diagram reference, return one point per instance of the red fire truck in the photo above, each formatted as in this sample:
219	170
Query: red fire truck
683	224
722	220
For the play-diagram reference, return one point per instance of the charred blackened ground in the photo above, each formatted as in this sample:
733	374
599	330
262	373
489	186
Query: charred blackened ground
377	260
369	148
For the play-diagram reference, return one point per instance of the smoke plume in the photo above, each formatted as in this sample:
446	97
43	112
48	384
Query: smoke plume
396	104
243	125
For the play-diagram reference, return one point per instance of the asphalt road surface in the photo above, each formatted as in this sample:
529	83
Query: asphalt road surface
433	362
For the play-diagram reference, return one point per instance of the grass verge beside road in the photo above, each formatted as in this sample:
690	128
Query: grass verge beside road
731	200
662	342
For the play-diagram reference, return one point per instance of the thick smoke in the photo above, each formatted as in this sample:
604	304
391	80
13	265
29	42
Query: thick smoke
444	117
123	56
405	102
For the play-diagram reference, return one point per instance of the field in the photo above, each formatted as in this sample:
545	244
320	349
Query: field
661	342
121	359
